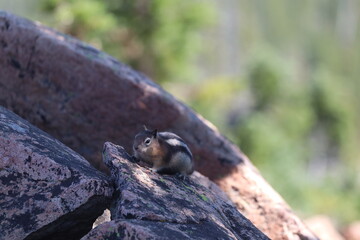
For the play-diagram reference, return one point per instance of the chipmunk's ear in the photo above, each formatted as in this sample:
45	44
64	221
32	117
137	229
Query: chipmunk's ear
154	133
145	128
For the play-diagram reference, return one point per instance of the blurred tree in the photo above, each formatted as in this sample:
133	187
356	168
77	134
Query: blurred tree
295	110
160	38
265	82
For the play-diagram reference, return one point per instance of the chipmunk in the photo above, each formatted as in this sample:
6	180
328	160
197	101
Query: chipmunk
165	151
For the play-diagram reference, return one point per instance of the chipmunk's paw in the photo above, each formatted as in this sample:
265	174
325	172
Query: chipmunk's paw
181	176
134	159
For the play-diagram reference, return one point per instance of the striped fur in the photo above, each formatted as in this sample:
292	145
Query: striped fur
167	152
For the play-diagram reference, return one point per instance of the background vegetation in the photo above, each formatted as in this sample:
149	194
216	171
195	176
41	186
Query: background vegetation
279	78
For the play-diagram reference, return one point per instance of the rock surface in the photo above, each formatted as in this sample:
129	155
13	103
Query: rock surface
71	90
352	232
47	190
323	227
153	206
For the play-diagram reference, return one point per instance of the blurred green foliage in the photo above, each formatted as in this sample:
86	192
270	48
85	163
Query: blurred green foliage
290	129
157	37
299	120
293	107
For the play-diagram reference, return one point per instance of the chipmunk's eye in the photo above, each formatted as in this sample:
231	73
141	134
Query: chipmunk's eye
147	141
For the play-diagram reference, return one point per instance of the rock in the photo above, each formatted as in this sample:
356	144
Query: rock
153	206
352	232
256	199
47	190
323	227
105	217
71	90
140	229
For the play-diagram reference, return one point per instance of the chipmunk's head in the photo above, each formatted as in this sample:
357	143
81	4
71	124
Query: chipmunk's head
146	145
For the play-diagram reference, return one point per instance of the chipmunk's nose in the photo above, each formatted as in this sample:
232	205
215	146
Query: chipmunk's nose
136	148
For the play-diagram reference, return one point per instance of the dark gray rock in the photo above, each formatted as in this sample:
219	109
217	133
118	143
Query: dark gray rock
142	229
47	190
153	206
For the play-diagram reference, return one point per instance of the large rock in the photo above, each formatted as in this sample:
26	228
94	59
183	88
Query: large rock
84	97
151	206
323	227
352	232
47	190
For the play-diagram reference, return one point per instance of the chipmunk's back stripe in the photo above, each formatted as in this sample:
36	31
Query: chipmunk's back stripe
183	149
169	135
175	141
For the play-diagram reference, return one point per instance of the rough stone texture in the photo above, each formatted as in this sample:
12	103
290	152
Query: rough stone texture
47	191
255	198
70	90
153	206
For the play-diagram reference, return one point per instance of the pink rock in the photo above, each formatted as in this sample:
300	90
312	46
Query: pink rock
323	227
47	190
352	232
